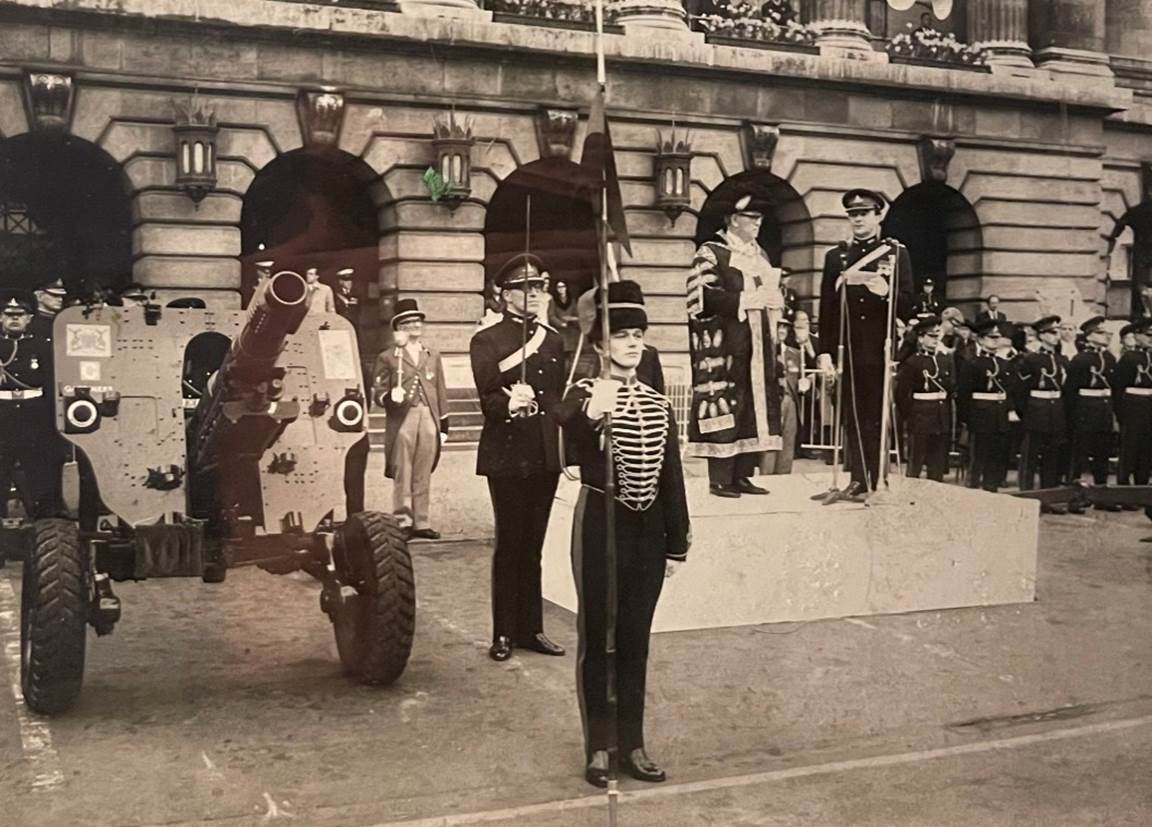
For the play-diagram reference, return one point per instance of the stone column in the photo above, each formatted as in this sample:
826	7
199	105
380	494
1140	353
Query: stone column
1068	37
1000	27
842	27
651	14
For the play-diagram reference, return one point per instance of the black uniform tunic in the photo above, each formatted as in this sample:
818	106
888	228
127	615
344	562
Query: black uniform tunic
1088	395
866	324
652	525
1132	396
984	387
28	436
520	457
1040	404
925	385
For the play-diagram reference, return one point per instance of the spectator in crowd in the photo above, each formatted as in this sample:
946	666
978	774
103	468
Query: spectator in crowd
320	298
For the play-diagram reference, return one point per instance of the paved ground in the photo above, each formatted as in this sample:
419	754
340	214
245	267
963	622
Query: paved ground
225	704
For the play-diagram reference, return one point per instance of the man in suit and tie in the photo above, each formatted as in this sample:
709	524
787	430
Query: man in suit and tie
518	367
320	298
409	384
993	313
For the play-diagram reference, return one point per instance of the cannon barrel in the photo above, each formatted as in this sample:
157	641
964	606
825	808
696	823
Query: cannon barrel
239	415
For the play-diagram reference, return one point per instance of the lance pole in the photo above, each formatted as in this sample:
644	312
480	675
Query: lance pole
886	411
524	290
610	551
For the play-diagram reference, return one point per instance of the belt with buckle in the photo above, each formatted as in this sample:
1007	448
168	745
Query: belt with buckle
1138	391
989	396
1044	394
17	395
930	395
1096	392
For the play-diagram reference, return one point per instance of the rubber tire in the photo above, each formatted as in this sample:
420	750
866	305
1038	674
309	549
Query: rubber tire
54	608
374	630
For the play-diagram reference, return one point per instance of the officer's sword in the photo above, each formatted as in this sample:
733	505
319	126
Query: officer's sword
524	289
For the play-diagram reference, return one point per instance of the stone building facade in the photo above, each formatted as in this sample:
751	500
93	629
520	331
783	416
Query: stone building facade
1028	178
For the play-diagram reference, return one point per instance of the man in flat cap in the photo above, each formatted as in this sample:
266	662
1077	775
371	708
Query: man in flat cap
985	385
409	384
1088	396
925	384
28	434
347	303
860	278
518	367
1040	404
1132	395
734	305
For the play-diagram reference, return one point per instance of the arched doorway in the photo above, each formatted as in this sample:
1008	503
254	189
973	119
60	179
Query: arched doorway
1129	290
785	234
314	208
942	234
543	207
65	211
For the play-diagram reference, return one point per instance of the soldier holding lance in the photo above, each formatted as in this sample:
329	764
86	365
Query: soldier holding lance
857	324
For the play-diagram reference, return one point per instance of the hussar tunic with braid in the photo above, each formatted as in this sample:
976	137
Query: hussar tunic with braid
651	522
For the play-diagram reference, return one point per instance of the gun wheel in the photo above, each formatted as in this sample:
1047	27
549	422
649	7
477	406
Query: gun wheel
374	626
54	605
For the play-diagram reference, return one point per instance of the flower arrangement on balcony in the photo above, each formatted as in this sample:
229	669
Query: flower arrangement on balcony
581	11
773	22
925	43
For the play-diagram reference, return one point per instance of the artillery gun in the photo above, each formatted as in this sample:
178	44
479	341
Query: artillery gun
215	439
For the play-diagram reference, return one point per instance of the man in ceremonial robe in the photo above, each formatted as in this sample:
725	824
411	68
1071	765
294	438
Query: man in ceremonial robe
734	305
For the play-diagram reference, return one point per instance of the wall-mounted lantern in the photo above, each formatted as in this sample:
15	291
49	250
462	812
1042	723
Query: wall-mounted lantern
195	128
673	174
452	142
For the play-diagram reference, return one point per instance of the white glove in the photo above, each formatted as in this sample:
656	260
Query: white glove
400	337
1013	416
671	567
397	394
824	362
443	437
603	397
805	384
520	397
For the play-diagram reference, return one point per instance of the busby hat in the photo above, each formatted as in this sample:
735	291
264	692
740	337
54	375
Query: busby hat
1048	324
16	306
1092	325
54	287
406	310
863	199
625	309
520	270
925	324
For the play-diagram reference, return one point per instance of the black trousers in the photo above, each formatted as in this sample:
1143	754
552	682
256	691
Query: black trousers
640	577
28	438
521	506
928	451
1044	452
988	459
862	403
1135	454
726	470
1093	448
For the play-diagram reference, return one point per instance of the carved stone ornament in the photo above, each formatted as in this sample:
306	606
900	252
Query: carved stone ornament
760	140
935	155
556	132
48	97
321	114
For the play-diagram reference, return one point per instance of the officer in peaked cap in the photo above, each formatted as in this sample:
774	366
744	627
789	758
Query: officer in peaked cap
347	303
860	278
1040	405
27	428
263	275
1088	392
1132	392
985	385
518	367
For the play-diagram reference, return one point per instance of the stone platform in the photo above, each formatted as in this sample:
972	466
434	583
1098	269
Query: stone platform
920	546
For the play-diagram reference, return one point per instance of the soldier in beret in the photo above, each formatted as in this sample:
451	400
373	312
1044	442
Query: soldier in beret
1040	405
518	367
925	384
1132	397
854	293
